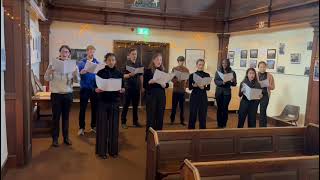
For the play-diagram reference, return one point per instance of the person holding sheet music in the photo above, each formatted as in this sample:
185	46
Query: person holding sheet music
155	94
132	84
179	90
108	111
249	105
198	98
61	94
267	83
223	91
87	85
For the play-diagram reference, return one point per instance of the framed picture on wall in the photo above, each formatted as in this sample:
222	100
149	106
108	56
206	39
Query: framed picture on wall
271	64
309	46
282	47
253	53
78	54
280	69
316	70
244	54
253	64
231	54
3	59
243	63
231	61
271	54
148	4
295	58
307	71
192	55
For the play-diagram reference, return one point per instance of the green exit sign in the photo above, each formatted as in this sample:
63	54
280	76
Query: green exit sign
143	31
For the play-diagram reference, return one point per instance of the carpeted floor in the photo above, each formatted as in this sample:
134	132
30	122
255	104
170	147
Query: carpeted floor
80	162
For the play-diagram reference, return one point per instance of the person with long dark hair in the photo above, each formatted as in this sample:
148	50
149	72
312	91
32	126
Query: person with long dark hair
108	111
198	98
223	92
61	95
155	94
248	107
267	82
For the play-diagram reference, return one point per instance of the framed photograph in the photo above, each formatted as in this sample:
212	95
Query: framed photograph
307	71
231	55
148	4
271	64
316	71
282	47
253	64
78	54
295	58
271	54
192	55
244	54
3	59
243	63
231	61
309	47
253	53
280	69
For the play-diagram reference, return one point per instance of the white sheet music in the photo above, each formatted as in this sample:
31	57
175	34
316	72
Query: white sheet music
264	83
161	77
181	76
251	93
201	81
109	84
64	67
93	67
139	70
99	67
226	77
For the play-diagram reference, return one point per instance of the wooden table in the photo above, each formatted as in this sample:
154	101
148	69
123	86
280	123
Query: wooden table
42	123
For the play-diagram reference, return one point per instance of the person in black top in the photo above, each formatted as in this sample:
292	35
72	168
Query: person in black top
132	85
155	94
108	112
248	107
198	98
223	92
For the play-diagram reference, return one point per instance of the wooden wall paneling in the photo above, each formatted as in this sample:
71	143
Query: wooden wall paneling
44	28
312	111
245	8
16	82
247	23
223	47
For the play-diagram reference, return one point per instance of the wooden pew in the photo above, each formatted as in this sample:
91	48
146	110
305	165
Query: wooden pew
283	168
167	149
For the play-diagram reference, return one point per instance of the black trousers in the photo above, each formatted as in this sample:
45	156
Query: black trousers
198	108
177	97
131	96
107	129
248	108
222	111
61	105
155	107
264	102
85	95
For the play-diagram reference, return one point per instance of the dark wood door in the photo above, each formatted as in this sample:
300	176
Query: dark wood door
145	53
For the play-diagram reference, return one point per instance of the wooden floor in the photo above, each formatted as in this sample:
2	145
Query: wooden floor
79	161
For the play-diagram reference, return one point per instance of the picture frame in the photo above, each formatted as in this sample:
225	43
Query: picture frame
146	4
309	45
254	53
231	54
295	58
78	54
281	69
253	63
3	59
244	54
192	55
316	70
307	71
231	61
271	54
243	63
282	47
271	64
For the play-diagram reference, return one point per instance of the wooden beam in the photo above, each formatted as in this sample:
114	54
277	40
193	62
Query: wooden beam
223	47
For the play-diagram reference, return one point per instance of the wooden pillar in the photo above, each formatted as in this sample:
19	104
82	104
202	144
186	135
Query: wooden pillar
17	81
312	109
44	28
223	47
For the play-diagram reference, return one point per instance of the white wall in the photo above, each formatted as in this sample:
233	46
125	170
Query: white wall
78	35
4	149
292	87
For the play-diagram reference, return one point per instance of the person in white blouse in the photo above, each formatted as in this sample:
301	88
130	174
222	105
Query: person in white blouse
61	95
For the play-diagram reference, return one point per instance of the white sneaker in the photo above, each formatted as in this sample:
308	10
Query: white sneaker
94	130
81	132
